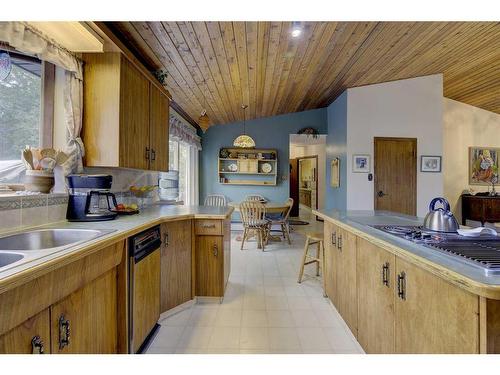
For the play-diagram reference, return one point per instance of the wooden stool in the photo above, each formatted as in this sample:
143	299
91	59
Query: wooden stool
319	259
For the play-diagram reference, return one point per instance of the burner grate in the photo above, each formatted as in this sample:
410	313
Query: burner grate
486	253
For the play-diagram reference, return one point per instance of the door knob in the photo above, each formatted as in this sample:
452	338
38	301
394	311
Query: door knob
381	194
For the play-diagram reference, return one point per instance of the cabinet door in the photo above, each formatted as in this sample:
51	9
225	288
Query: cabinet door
134	117
434	316
33	336
375	274
209	266
159	117
86	321
347	302
331	259
176	264
145	297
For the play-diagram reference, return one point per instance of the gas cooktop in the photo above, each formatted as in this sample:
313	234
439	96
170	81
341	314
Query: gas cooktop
482	252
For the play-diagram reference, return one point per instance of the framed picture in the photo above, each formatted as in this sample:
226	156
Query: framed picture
361	163
430	163
335	173
483	165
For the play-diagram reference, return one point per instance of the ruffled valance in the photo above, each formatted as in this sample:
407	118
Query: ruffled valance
27	39
180	130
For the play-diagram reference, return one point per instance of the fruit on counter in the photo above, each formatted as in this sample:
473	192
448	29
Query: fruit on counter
120	206
125	207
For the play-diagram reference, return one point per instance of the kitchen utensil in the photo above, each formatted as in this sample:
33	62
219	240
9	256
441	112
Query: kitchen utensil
61	158
28	159
440	219
47	164
48	153
266	168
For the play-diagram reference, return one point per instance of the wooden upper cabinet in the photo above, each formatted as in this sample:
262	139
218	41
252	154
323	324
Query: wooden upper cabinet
31	337
176	264
432	315
134	118
85	322
125	116
159	120
375	274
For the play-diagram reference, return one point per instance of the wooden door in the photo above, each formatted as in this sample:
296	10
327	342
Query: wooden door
347	302
176	264
87	319
159	120
134	117
209	266
294	186
395	168
375	274
20	340
146	297
331	260
434	316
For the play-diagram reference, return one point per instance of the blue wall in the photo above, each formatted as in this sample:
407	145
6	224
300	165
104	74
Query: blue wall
270	132
336	144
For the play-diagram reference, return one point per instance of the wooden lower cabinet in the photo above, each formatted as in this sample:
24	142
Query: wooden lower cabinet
176	264
331	254
376	317
31	337
433	316
347	300
86	321
212	258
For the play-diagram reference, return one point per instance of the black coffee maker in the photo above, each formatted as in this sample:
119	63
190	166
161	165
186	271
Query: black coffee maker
90	198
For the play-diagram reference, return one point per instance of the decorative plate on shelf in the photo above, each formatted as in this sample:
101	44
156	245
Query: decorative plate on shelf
266	168
232	167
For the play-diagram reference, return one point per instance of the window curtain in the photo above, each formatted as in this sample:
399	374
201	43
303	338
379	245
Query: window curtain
180	130
27	39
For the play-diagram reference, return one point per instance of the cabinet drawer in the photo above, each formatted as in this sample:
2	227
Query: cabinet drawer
208	227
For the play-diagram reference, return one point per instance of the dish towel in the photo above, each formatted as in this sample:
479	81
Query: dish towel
476	232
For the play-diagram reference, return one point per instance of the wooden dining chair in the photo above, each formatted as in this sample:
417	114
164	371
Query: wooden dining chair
215	200
281	219
253	216
255	197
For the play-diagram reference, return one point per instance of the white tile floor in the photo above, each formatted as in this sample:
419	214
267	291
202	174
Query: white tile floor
264	310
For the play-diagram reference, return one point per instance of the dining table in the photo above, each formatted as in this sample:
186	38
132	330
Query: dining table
271	208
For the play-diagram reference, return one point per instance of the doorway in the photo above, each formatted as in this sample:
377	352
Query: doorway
395	169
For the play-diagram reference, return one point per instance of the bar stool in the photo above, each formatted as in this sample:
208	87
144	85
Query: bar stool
319	259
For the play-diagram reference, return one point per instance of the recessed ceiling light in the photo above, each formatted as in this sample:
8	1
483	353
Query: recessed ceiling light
296	32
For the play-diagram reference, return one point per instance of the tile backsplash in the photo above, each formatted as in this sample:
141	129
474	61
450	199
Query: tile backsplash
31	210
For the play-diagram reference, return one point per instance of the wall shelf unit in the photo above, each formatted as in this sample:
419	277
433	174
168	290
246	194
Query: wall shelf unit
262	164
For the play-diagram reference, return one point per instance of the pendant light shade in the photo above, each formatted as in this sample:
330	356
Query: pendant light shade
204	120
244	140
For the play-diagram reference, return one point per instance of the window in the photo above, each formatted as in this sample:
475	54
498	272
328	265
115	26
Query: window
183	158
20	107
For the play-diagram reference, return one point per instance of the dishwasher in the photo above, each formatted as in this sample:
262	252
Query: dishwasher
144	288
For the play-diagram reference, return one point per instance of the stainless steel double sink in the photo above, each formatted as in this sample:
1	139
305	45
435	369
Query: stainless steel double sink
34	244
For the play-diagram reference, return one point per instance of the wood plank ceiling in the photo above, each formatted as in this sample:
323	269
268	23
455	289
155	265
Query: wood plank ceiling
221	65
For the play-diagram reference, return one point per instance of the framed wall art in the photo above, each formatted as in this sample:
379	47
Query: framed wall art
429	163
361	163
483	165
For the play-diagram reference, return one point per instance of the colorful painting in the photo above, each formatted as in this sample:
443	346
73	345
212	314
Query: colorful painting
483	165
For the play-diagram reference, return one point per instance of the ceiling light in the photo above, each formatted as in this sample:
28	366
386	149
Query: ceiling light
244	140
296	32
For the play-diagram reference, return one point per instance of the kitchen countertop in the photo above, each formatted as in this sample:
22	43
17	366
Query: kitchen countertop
121	228
448	267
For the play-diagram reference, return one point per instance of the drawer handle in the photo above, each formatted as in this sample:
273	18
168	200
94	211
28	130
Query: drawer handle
147	153
402	285
37	345
208	226
216	250
153	154
385	274
63	332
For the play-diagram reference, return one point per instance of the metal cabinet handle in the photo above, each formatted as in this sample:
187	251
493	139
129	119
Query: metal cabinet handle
153	154
334	238
208	226
147	153
216	250
166	239
385	274
339	242
63	332
402	285
37	345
